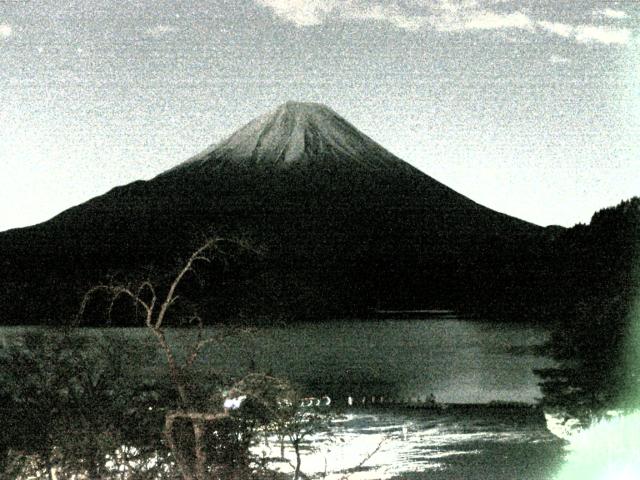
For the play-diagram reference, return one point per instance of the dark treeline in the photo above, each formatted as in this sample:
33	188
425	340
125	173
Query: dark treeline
590	302
329	245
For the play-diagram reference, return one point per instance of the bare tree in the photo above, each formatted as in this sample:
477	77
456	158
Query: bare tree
154	308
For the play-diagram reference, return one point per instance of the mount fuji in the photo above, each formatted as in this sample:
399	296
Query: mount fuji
344	225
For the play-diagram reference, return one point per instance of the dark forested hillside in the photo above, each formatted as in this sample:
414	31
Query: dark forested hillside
592	292
343	226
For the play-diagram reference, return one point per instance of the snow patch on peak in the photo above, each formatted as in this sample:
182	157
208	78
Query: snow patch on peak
295	107
300	133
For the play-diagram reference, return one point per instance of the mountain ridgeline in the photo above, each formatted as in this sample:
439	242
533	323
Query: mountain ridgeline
342	225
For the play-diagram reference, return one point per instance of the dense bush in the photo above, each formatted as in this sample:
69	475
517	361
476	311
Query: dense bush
71	402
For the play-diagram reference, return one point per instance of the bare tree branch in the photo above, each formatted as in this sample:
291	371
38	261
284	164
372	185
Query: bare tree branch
170	298
149	286
301	474
365	459
115	291
182	463
371	454
145	296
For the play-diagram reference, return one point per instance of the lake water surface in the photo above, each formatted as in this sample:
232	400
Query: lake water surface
457	361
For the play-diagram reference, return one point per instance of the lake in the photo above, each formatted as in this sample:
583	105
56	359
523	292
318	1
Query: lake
387	366
405	361
457	361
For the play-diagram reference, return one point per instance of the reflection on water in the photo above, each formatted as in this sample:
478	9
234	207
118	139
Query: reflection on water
479	444
401	360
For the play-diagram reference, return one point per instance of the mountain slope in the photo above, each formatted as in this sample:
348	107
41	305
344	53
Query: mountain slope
298	133
344	223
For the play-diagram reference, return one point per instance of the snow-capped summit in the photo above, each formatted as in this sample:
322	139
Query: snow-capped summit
298	133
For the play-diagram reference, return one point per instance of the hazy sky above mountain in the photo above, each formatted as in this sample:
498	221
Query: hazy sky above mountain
529	107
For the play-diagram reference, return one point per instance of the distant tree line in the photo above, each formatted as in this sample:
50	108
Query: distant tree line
590	300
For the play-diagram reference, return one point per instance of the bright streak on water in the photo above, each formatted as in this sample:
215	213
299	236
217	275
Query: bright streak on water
418	444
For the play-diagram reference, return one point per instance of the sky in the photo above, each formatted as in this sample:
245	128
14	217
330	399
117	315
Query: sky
529	107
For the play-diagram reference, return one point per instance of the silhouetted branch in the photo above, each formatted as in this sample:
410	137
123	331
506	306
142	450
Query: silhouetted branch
371	454
145	296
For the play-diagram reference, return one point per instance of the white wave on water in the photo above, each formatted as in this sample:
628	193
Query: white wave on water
366	447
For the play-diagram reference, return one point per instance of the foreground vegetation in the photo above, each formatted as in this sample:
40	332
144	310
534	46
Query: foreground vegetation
593	310
73	406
